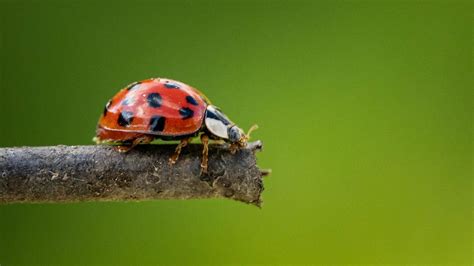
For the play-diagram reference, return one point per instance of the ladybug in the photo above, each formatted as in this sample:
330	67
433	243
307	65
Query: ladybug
160	108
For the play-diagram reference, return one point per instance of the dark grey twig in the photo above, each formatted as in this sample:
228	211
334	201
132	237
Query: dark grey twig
99	173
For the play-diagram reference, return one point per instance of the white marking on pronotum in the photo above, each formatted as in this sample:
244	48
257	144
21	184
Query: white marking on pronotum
217	128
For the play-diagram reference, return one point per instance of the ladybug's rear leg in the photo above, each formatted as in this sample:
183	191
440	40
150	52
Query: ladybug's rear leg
174	158
205	152
140	140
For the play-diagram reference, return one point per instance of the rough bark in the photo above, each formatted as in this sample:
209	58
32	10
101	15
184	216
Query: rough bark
99	173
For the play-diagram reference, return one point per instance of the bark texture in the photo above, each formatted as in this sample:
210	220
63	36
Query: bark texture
99	173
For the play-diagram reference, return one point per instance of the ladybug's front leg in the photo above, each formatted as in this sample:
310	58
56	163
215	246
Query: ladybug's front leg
205	152
182	144
233	148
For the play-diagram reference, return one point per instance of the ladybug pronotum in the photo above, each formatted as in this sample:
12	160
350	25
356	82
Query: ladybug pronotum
160	108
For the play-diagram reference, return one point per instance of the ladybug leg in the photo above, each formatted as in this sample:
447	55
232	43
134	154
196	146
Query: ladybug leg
123	148
140	140
174	158
233	148
205	152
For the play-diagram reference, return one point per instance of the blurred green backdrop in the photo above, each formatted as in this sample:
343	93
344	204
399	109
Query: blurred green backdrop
365	109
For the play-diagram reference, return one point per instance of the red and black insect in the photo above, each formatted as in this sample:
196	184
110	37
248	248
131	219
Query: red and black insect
169	110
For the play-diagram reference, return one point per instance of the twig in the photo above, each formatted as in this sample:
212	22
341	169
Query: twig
99	173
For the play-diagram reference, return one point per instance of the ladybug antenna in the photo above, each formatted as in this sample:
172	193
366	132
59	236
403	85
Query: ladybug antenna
251	129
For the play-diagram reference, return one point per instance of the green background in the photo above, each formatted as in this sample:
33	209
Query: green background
365	110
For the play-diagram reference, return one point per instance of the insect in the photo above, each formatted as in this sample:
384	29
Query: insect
166	109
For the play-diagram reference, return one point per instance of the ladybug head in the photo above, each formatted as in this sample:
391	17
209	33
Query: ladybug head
220	126
237	135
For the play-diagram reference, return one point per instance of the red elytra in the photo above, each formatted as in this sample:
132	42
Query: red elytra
161	107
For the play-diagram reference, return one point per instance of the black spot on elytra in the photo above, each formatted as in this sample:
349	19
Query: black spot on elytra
128	101
191	100
134	86
157	123
171	85
125	118
186	113
154	99
106	108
